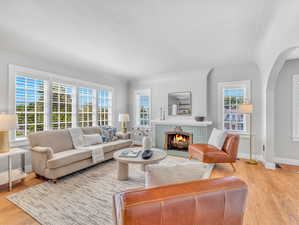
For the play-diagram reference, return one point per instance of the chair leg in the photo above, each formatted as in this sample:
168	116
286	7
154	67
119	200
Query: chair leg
190	157
233	166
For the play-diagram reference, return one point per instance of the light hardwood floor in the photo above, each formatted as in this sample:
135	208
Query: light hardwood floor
273	195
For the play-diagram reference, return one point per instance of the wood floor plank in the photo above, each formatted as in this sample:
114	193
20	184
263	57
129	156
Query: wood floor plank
273	195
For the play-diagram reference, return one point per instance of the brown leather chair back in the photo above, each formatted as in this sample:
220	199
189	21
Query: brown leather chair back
205	202
231	145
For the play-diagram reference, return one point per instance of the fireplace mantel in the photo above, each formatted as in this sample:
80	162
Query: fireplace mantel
181	123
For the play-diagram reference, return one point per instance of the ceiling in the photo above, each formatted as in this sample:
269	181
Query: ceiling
137	38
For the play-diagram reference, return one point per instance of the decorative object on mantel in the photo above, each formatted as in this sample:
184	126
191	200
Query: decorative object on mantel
162	112
174	109
247	108
124	118
147	143
7	122
138	133
199	118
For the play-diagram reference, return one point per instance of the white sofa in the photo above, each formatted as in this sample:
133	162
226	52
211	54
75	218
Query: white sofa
54	156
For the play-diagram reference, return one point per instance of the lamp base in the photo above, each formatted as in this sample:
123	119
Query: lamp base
124	128
4	141
252	162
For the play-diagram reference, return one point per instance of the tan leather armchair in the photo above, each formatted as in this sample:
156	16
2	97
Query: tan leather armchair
210	154
205	202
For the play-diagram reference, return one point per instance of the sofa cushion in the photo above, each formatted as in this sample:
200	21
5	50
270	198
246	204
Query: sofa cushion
67	157
112	146
119	144
58	140
91	130
93	139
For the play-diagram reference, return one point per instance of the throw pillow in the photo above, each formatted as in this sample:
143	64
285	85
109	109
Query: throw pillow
109	133
217	138
93	139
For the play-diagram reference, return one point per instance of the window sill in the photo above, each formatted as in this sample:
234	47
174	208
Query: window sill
19	142
242	135
295	139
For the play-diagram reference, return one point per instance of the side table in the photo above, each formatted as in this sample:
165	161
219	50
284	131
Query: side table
13	174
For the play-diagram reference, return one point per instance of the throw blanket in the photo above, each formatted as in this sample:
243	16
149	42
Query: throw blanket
97	152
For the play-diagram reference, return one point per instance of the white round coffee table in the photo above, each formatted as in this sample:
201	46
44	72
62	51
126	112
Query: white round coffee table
123	162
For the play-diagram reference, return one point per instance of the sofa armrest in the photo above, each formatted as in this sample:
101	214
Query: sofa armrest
44	150
215	201
40	156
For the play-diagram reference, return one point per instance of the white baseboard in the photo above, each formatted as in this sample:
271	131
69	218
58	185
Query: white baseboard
270	165
257	157
294	162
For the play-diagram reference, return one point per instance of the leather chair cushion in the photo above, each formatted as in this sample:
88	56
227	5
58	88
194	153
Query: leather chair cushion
208	153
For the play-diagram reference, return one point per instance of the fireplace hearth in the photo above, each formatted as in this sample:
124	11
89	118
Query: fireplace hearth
177	139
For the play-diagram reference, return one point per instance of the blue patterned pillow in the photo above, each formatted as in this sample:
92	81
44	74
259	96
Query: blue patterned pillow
108	133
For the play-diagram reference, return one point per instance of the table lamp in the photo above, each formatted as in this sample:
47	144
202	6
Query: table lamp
247	108
7	122
124	118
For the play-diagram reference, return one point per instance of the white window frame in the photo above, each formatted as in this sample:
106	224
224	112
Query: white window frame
73	112
15	70
245	84
109	100
295	100
146	92
45	106
92	96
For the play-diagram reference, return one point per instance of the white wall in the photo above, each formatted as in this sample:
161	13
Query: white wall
120	86
284	147
239	72
282	34
194	81
203	83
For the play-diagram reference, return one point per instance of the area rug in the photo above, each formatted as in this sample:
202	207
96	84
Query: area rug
83	198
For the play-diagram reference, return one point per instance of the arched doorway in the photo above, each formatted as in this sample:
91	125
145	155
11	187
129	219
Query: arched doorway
270	101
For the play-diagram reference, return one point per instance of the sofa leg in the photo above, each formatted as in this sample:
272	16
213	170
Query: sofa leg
233	166
54	181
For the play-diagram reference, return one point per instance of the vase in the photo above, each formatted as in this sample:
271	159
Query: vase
146	143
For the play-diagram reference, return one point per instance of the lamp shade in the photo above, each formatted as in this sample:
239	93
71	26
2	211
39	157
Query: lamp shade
8	121
123	117
246	108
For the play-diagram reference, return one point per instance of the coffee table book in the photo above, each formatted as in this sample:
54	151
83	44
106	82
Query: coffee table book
130	154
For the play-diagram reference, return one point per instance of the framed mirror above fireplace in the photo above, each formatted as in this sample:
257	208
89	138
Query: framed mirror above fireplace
180	103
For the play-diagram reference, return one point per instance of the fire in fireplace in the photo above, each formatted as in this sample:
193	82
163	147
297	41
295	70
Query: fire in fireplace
178	139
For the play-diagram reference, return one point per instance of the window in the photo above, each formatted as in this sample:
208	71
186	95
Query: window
232	94
143	107
45	101
62	106
296	108
86	106
104	107
30	107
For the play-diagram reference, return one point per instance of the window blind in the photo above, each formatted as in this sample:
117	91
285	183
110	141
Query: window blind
30	105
